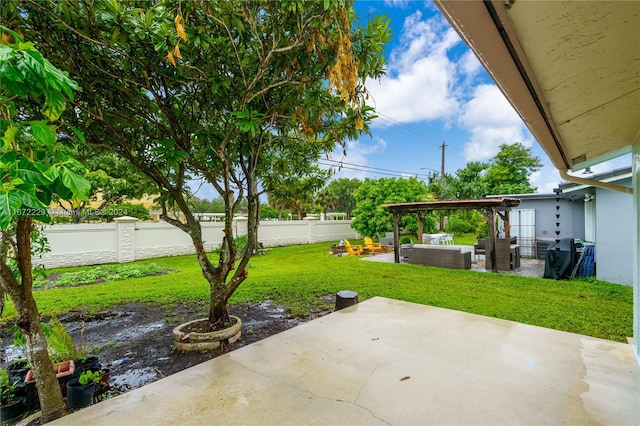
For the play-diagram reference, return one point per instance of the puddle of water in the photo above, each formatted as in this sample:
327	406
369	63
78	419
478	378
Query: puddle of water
138	330
272	311
134	378
12	353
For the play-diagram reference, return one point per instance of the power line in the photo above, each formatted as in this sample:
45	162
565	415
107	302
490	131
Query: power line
363	168
406	129
411	131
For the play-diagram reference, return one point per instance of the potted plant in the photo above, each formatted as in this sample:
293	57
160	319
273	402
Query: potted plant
80	390
11	405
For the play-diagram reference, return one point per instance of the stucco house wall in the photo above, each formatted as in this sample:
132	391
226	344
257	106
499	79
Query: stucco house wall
571	215
614	228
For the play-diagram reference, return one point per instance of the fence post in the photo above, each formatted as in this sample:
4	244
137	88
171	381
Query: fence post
240	226
126	230
311	229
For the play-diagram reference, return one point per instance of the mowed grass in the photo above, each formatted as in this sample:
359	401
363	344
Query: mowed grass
297	277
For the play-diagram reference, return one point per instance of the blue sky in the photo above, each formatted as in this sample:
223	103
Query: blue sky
435	91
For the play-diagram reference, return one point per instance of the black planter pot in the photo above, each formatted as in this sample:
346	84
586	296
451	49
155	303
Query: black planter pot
103	386
79	396
17	370
90	363
32	399
12	410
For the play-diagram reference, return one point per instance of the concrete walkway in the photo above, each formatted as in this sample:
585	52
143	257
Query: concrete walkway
387	362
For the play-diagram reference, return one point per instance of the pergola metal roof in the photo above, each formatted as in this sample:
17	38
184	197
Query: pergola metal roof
488	203
488	207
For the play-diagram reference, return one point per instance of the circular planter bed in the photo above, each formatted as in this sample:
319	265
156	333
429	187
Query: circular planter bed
188	341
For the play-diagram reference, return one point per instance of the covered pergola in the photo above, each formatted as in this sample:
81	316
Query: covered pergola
488	208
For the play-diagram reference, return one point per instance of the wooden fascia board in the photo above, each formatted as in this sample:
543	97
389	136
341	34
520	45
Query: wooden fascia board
507	66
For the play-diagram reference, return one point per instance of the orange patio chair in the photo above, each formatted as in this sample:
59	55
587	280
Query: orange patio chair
352	250
373	247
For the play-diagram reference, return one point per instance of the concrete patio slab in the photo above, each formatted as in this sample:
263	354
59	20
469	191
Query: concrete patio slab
385	361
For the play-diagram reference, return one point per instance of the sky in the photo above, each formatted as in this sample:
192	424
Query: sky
435	91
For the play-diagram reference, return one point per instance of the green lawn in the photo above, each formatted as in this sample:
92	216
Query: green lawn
296	277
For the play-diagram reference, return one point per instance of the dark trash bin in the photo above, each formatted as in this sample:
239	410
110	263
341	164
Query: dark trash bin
560	259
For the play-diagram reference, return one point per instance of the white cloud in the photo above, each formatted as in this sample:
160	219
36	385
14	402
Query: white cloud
420	80
492	121
546	179
469	64
397	3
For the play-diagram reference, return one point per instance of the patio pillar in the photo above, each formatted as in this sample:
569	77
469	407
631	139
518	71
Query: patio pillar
635	232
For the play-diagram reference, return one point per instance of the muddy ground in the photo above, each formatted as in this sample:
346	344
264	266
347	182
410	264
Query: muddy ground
134	340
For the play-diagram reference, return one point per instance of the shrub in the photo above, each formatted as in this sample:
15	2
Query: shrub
405	239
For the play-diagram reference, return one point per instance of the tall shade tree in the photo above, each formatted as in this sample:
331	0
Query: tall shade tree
469	182
206	89
509	171
327	200
344	189
370	218
34	167
296	191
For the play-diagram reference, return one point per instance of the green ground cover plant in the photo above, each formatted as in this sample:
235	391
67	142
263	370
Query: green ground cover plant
298	276
84	276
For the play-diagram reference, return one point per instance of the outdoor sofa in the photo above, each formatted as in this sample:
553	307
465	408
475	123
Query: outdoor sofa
452	257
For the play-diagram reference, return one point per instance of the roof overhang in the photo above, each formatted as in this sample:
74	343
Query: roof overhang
571	69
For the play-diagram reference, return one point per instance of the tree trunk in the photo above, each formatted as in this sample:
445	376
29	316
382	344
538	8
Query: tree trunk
1	297
28	321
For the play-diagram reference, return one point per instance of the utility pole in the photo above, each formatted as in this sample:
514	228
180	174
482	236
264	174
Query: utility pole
442	165
443	146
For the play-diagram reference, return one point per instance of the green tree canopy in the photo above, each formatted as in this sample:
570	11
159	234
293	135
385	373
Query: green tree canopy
469	182
344	190
509	171
371	218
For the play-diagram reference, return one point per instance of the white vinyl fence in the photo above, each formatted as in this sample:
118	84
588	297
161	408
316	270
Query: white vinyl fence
126	240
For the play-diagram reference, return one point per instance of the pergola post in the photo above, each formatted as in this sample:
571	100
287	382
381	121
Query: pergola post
491	250
490	216
419	228
396	236
507	226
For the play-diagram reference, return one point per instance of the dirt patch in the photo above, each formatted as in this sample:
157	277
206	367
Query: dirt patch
135	342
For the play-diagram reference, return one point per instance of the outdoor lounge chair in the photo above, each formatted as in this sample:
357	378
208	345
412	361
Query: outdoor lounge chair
352	250
373	247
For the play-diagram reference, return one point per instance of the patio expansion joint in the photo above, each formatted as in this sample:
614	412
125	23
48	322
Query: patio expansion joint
314	395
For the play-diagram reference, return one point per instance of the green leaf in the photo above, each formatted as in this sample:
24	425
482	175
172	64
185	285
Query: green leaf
33	172
9	137
54	105
10	202
43	133
78	134
77	184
